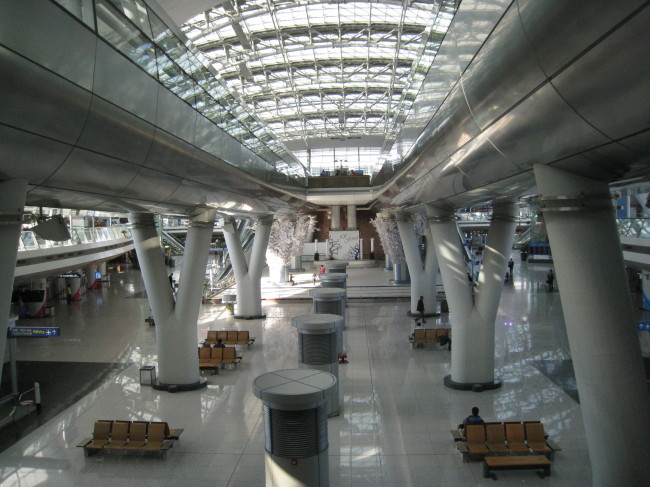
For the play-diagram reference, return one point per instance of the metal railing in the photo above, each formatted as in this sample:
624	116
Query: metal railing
80	235
633	227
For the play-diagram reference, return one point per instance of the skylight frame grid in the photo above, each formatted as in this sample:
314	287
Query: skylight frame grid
282	34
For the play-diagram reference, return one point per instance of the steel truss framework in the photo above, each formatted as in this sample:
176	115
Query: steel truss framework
320	69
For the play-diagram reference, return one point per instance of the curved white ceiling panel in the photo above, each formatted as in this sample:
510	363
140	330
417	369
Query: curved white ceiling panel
84	169
114	132
21	149
559	31
136	91
40	102
502	71
617	72
48	47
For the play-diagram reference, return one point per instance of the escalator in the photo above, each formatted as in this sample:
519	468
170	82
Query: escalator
177	247
224	276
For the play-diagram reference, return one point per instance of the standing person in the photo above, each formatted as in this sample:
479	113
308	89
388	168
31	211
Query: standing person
68	293
321	270
420	308
171	281
511	266
550	278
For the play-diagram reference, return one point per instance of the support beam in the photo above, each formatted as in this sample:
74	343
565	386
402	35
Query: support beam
472	317
352	217
176	338
597	309
335	217
12	205
248	275
424	276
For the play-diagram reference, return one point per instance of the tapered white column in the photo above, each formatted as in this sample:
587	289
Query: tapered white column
248	275
178	367
423	275
336	217
597	310
192	278
488	291
12	205
472	317
352	217
90	271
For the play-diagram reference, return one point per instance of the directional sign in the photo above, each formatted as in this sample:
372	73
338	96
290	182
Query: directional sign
33	331
643	325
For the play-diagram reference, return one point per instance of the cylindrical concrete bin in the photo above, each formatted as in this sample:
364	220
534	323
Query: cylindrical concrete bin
329	300
295	426
336	267
336	280
320	340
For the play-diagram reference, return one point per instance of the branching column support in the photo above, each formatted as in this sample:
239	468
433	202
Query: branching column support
424	276
178	367
598	314
472	317
12	205
248	276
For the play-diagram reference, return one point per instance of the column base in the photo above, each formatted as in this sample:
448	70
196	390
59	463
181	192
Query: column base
250	317
472	386
159	386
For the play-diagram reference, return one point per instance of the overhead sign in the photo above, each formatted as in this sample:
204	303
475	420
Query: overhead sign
33	331
70	274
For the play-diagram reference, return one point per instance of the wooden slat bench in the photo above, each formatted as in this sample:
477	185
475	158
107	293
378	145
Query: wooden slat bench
427	336
520	439
138	436
518	462
232	337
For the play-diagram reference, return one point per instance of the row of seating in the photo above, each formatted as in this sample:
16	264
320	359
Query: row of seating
232	337
140	436
423	336
506	438
217	357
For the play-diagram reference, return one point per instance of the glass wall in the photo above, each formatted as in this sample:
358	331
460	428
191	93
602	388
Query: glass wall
139	34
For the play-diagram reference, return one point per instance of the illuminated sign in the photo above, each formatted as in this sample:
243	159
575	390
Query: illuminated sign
33	332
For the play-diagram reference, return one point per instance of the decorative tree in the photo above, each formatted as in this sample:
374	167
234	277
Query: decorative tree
389	235
288	235
279	250
303	226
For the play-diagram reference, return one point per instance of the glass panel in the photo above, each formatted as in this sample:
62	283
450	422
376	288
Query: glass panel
82	9
122	35
136	12
29	242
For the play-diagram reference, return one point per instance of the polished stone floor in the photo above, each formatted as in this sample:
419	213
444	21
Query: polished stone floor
396	414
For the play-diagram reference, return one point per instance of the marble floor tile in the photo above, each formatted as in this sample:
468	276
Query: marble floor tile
393	427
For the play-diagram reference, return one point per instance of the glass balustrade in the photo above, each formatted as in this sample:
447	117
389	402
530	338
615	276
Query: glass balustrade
30	241
634	227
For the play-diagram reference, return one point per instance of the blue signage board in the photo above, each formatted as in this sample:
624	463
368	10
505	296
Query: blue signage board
33	331
643	325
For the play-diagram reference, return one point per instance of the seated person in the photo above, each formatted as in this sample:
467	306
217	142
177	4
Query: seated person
418	326
473	418
219	343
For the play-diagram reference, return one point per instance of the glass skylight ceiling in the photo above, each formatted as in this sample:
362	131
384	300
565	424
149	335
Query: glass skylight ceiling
314	69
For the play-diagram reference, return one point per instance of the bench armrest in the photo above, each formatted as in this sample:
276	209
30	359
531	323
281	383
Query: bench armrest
553	446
